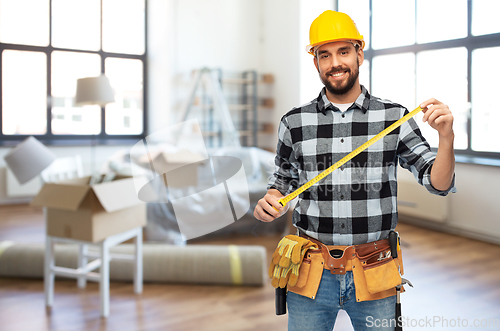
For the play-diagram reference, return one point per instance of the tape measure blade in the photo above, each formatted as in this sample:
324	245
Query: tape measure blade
353	154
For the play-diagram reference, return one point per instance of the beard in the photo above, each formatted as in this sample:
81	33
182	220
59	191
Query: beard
341	88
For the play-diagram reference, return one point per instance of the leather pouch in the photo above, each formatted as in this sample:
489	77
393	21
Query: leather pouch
380	269
305	267
382	276
360	284
310	273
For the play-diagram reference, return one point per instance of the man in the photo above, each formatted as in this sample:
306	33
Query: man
355	204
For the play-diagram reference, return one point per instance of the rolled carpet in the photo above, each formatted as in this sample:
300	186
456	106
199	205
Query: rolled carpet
196	264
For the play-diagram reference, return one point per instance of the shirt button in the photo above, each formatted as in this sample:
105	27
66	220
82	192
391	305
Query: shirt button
341	197
342	226
342	140
343	115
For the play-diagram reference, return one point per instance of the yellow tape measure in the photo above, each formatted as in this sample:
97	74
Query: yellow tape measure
286	199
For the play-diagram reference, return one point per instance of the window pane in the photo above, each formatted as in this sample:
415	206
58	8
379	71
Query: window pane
76	24
442	74
364	74
485	17
67	67
125	115
123	26
393	23
452	22
395	85
24	92
359	11
485	109
24	22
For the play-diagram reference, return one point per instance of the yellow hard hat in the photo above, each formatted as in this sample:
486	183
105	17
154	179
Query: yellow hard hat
332	26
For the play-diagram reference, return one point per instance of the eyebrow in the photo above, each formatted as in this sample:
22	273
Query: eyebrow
345	48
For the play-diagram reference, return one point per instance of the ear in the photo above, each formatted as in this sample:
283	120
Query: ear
316	63
361	56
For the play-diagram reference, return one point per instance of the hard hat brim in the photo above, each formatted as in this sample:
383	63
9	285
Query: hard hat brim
310	48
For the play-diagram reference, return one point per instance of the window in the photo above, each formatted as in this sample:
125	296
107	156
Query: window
413	59
46	45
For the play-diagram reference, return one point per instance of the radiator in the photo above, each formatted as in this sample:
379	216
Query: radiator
415	201
16	190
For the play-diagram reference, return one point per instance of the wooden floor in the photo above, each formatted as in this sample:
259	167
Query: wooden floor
455	278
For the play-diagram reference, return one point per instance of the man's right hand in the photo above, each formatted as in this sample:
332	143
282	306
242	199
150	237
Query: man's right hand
264	210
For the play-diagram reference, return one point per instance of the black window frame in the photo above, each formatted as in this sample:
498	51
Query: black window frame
471	43
68	139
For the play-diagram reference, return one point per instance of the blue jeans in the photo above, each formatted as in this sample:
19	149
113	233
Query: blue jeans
337	292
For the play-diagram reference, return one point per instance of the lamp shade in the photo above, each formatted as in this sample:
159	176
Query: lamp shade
28	159
94	91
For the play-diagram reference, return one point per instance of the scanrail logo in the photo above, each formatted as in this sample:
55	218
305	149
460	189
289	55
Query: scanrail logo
205	192
438	322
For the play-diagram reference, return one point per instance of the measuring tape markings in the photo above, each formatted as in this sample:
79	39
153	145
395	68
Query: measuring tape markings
284	200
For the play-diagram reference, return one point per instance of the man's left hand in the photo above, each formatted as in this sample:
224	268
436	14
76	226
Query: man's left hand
439	117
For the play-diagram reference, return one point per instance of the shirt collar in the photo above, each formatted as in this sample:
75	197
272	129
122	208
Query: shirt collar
362	102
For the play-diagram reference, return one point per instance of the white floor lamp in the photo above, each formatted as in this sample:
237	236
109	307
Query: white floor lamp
94	91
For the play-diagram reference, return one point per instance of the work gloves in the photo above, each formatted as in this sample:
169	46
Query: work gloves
286	260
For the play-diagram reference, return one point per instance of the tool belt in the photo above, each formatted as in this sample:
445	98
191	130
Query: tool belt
376	274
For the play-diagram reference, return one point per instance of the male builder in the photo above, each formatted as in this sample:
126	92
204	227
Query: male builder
356	204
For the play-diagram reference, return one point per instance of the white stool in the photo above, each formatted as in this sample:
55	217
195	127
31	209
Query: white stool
84	270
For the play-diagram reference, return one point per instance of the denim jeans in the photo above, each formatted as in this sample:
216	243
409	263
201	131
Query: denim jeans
337	292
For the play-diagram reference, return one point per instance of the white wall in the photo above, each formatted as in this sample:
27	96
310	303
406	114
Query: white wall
233	35
281	53
474	210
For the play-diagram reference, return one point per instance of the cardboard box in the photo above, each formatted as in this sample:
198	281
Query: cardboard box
78	211
164	162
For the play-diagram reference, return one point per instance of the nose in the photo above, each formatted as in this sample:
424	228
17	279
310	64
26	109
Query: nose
335	61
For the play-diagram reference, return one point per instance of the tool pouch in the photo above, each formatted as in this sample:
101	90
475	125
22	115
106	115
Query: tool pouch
381	276
310	273
376	273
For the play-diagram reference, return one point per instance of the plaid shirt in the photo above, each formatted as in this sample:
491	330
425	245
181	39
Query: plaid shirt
356	203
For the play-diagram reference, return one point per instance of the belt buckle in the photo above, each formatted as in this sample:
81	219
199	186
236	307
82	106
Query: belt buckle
337	261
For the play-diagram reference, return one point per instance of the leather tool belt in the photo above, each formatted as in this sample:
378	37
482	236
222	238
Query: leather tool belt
376	274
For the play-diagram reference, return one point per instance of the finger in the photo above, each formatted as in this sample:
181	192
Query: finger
273	201
436	114
428	112
269	209
431	101
444	119
261	215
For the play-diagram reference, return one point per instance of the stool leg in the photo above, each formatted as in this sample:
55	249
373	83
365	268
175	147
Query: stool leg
104	281
49	277
82	261
138	262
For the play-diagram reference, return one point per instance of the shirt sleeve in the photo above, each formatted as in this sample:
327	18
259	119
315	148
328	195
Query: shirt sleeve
416	156
285	176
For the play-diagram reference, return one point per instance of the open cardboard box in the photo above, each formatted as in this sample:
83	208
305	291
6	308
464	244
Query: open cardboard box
91	213
163	162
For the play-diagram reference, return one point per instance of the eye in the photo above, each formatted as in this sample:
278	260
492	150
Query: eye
323	56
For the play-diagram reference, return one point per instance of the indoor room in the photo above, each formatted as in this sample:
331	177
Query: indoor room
249	165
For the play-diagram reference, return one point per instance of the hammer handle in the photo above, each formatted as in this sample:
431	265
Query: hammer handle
393	243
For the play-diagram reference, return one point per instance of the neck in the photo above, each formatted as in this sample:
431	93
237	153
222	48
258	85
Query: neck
348	97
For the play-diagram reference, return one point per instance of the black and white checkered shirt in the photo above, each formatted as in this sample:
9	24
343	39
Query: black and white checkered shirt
356	203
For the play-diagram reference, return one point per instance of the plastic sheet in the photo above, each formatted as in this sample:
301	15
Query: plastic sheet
162	224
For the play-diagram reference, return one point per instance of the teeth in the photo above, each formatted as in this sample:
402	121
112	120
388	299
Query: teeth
338	74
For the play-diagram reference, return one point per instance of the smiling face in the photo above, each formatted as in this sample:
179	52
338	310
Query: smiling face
338	66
